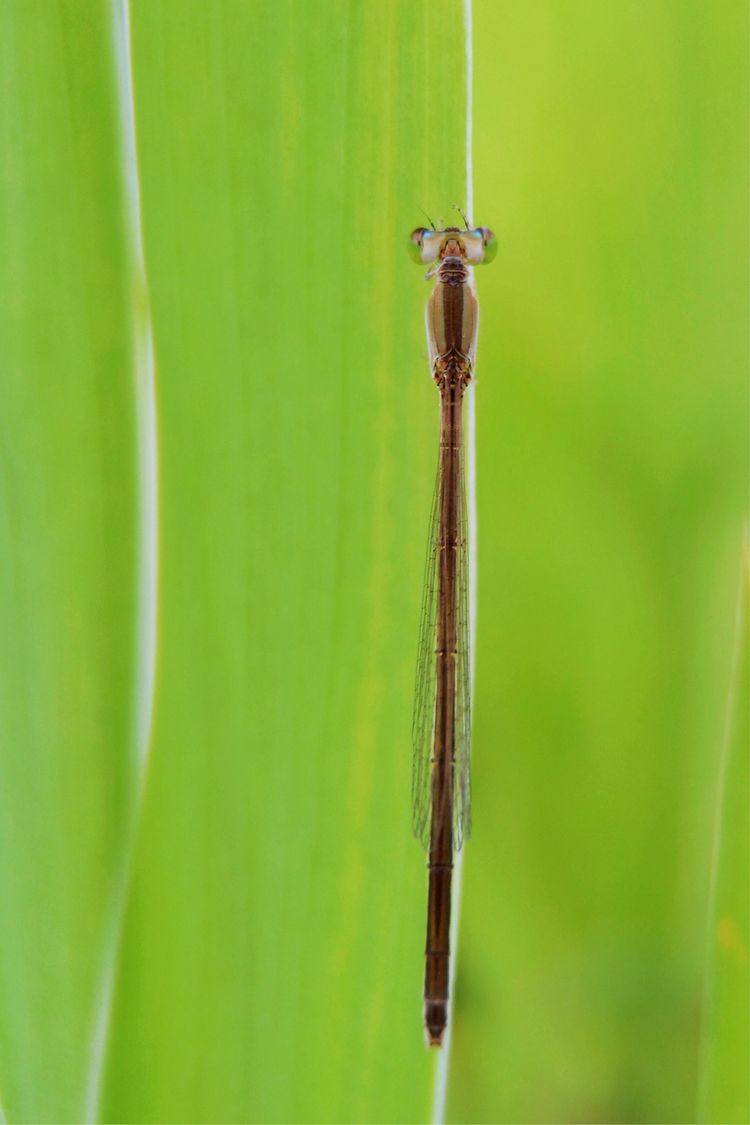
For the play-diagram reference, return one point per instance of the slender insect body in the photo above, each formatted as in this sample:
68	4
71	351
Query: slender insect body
452	321
442	716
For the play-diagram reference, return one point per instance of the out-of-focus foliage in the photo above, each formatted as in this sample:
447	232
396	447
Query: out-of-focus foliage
611	154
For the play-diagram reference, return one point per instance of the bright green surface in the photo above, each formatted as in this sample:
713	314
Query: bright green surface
270	959
67	543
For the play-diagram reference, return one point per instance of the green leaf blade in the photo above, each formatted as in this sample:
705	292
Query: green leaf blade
276	912
68	541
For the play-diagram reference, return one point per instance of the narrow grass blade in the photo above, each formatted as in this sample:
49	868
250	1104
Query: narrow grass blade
724	1092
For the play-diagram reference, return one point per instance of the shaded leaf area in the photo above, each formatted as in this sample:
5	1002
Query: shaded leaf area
67	544
612	446
272	959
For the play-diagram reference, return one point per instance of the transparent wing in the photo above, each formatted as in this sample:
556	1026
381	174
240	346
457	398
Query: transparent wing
423	719
424	691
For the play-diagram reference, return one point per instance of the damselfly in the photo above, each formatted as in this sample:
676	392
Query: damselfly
441	731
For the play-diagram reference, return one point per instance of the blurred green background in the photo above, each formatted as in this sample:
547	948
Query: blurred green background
211	908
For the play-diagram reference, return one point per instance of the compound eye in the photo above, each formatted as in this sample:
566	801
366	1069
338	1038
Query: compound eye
414	247
489	242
